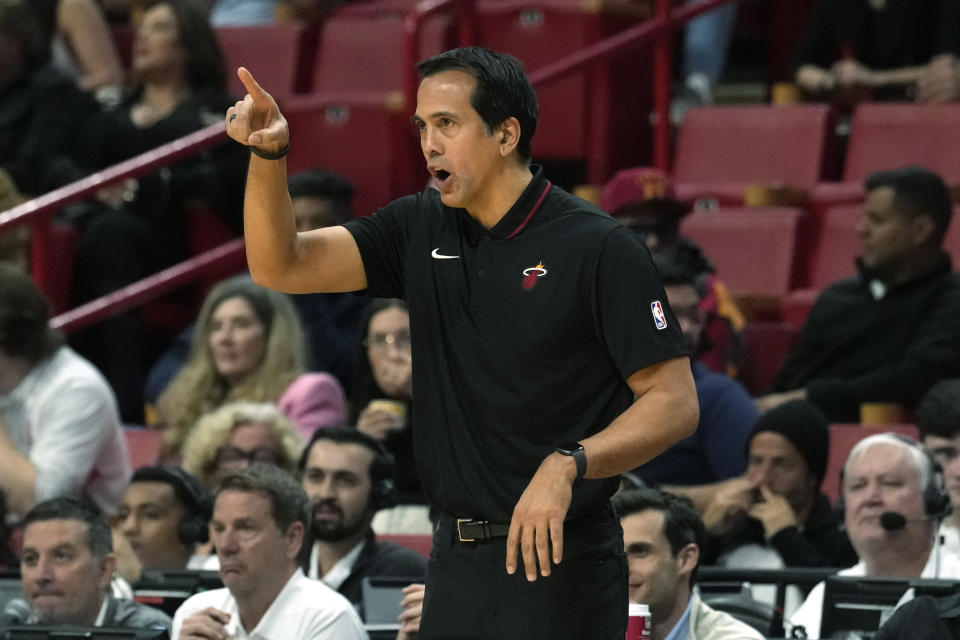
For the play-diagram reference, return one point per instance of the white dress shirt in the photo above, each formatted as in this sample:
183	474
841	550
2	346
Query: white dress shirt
304	609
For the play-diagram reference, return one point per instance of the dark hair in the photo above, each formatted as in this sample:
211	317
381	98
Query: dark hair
365	387
204	64
381	467
917	192
938	412
186	488
673	273
321	183
288	500
99	539
24	318
681	522
503	89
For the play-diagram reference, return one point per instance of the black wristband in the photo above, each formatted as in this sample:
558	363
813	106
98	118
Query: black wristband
575	450
270	156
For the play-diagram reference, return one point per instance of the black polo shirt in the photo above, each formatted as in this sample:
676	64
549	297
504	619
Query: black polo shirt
523	336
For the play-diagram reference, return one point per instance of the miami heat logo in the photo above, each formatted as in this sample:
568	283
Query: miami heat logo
530	276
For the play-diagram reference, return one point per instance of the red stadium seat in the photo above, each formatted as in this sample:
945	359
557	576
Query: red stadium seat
360	51
271	52
753	248
720	151
765	344
371	143
597	114
884	136
143	446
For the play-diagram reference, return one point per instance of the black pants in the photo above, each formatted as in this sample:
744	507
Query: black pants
469	594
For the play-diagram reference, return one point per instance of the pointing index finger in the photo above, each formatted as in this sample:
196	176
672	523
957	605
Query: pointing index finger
250	84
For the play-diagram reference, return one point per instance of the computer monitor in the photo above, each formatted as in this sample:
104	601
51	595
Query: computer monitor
381	604
88	633
859	604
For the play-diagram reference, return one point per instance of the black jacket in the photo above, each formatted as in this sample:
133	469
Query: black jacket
854	349
381	559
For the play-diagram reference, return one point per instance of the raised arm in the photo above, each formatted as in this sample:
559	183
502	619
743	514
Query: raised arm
320	260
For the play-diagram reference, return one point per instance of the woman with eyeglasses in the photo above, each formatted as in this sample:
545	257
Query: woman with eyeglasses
380	404
248	346
238	435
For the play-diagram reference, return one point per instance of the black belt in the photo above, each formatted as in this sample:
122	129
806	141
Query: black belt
474	530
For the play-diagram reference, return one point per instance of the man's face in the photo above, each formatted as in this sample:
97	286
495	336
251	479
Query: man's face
314	212
657	577
149	518
774	462
462	155
250	545
946	451
62	580
885	234
337	481
882	478
685	304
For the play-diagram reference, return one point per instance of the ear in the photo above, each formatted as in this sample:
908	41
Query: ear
509	136
108	566
687	559
922	229
294	539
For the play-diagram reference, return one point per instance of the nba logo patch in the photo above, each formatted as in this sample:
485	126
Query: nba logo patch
658	318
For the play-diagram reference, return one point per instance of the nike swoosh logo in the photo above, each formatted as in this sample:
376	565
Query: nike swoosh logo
436	255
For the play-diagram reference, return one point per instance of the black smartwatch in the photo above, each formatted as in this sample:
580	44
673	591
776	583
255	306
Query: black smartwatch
575	450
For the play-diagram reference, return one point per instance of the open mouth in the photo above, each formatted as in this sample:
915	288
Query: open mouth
441	175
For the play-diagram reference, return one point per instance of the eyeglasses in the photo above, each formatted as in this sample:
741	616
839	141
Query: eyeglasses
381	340
233	457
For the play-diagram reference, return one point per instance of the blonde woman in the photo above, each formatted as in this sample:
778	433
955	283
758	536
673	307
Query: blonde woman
248	346
237	435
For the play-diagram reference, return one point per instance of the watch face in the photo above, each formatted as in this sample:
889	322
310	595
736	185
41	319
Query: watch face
569	446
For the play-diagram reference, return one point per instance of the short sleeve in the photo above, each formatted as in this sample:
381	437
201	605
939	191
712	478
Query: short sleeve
633	315
382	239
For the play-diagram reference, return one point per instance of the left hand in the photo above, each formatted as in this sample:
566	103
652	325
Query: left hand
537	521
773	512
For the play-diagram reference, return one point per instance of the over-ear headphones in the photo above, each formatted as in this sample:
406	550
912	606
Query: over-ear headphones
936	500
191	494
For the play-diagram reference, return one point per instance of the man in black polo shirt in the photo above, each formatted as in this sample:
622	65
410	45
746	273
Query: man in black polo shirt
546	359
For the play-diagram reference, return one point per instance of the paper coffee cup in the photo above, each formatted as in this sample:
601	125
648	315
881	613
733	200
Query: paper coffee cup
638	622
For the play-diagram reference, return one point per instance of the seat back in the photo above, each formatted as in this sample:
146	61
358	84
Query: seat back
143	445
748	144
271	52
835	248
886	135
363	52
753	249
372	144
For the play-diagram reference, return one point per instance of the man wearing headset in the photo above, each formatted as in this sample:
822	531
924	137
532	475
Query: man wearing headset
348	477
892	499
162	519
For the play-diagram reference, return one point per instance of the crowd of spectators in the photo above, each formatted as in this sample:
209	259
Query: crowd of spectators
261	373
